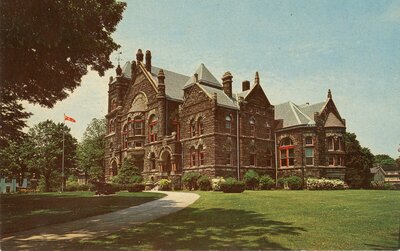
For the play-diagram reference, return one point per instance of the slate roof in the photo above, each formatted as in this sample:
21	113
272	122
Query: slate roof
204	77
294	115
222	98
333	121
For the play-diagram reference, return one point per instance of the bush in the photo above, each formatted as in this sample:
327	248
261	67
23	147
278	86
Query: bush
251	180
176	183
204	183
266	182
294	182
381	185
164	185
189	180
54	183
232	185
138	187
216	183
324	184
105	188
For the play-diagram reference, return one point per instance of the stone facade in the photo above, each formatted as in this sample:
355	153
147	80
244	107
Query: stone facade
170	124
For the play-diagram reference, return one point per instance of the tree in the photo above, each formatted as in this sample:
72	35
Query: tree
47	46
14	160
46	141
128	173
359	160
384	159
90	153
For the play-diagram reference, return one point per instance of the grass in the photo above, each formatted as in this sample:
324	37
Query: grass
24	211
351	219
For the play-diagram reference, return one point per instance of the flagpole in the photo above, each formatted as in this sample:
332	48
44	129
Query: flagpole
62	165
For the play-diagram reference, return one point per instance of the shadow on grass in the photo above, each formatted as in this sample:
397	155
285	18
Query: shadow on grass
201	229
387	246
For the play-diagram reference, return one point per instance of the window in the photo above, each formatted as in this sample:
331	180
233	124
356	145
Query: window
113	104
268	130
192	157
192	128
331	161
252	159
309	152
153	128
287	152
201	155
176	129
228	123
152	161
138	144
269	157
112	126
125	136
309	141
252	127
335	143
201	126
335	160
138	126
229	159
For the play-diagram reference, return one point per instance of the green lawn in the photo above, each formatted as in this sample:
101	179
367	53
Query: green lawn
25	211
351	219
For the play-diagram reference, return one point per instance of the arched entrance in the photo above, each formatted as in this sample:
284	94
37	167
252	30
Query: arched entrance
166	166
114	169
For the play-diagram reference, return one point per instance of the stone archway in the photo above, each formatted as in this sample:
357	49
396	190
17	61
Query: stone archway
166	163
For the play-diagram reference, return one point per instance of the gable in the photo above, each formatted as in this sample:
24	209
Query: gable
257	95
333	121
195	96
328	108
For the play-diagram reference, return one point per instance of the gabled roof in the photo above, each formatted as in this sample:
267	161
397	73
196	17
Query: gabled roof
294	115
174	82
204	77
222	98
333	121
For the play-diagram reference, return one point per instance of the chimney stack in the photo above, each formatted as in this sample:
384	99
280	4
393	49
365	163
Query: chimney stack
227	83
118	71
329	94
139	55
148	60
245	85
257	79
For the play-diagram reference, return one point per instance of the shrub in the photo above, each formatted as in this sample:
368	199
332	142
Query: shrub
232	185
216	183
164	185
204	183
324	184
282	182
189	180
137	187
381	185
251	179
54	183
105	188
294	182
176	183
266	182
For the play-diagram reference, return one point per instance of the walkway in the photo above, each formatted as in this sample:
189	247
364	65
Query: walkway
58	236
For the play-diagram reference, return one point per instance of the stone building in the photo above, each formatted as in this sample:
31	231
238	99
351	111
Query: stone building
169	124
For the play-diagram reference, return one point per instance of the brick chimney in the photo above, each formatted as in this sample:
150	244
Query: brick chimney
227	83
148	60
139	55
245	85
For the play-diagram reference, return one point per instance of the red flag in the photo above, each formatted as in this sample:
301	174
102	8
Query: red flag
69	118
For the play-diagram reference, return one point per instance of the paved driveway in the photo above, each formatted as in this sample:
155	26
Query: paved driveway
59	235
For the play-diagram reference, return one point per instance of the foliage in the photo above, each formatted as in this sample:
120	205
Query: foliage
164	185
231	185
216	183
324	184
282	182
137	187
46	48
52	185
384	159
359	160
294	182
176	183
90	152
380	185
251	179
204	183
128	173
45	141
105	188
189	180
266	182
14	160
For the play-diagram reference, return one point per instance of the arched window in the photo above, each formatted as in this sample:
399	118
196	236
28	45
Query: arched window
125	136
192	128
201	155
286	152
152	161
228	123
201	126
113	104
192	156
268	129
138	129
153	128
252	126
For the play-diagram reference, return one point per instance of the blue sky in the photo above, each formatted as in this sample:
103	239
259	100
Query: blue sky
300	48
